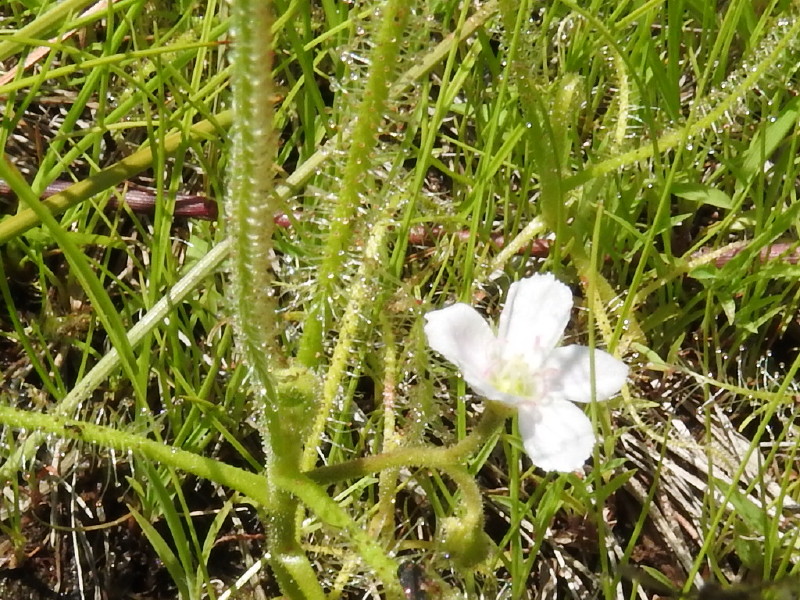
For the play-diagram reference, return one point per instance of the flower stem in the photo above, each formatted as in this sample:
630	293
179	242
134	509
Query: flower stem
439	458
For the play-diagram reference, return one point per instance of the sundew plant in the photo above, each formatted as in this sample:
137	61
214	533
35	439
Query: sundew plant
399	299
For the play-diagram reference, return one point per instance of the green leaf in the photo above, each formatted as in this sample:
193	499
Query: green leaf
702	194
164	552
729	307
766	140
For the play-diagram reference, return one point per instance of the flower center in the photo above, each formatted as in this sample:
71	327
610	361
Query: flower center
514	376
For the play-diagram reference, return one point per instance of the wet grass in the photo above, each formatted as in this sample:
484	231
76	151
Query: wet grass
643	152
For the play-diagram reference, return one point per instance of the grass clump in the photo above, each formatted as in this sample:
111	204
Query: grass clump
280	427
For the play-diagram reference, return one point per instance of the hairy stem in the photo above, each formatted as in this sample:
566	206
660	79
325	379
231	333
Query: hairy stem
251	204
365	132
493	417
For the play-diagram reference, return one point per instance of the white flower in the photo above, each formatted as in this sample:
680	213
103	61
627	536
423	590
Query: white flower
522	366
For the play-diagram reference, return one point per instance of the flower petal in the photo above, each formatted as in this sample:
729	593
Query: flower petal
487	390
462	336
556	435
569	374
534	317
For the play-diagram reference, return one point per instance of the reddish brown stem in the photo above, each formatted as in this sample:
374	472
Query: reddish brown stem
142	200
419	235
787	252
